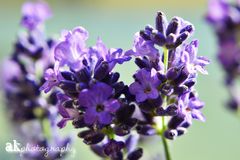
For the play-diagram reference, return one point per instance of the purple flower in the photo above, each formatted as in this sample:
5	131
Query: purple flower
143	48
52	77
66	113
218	10
145	86
71	50
190	106
191	60
169	35
10	72
229	56
98	103
112	55
34	14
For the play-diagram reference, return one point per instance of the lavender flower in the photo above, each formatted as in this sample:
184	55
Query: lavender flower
226	26
111	113
99	108
145	86
34	14
29	110
169	90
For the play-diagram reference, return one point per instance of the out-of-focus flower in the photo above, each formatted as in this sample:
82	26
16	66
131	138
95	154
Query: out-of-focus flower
35	14
23	77
224	17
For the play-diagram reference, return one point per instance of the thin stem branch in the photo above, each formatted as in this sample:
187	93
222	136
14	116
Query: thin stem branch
165	60
164	140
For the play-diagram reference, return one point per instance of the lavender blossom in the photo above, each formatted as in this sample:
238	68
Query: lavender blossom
169	90
226	22
92	96
112	113
27	107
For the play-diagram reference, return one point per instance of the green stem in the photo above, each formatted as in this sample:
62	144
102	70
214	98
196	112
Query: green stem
166	148
165	60
164	140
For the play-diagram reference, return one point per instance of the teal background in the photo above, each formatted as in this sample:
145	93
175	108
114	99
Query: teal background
116	22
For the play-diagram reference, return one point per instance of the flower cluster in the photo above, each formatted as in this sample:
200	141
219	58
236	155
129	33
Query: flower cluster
27	108
224	17
111	114
164	83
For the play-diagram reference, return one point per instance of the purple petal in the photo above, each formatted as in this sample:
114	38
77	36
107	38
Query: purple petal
141	97
153	94
112	106
196	114
105	118
90	116
134	88
63	122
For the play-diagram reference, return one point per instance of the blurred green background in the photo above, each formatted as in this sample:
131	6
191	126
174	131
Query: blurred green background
116	21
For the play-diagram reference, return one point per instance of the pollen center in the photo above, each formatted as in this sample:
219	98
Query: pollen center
100	108
147	89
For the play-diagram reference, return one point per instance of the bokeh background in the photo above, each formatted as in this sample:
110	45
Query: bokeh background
116	21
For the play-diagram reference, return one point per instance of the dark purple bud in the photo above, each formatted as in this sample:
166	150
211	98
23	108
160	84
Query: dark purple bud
190	83
53	98
38	53
84	133
113	147
135	155
161	77
50	43
79	122
150	105
122	130
119	88
176	121
98	150
149	29
172	26
124	113
173	73
69	76
171	134
167	89
158	38
91	137
116	156
182	76
161	22
188	28
142	63
145	35
80	86
101	71
182	37
67	104
114	77
180	90
233	104
185	124
68	86
84	75
181	131
146	130
172	110
160	111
